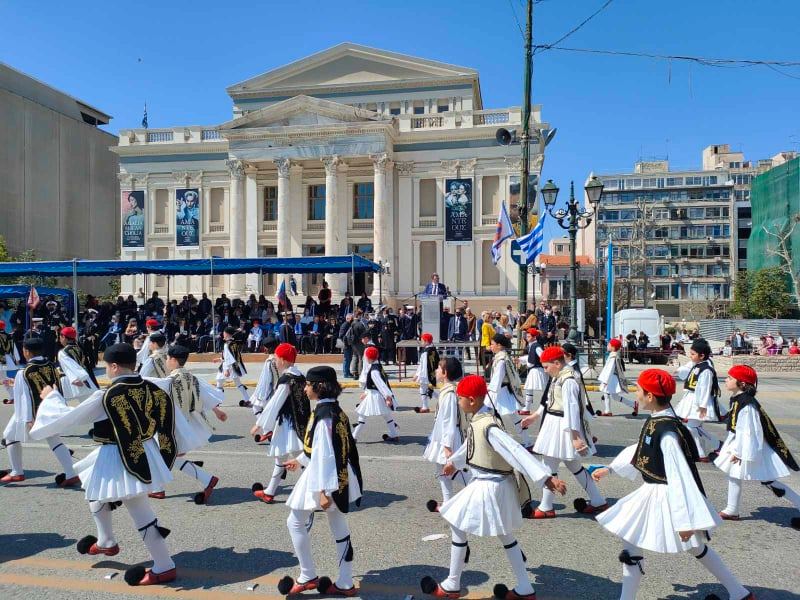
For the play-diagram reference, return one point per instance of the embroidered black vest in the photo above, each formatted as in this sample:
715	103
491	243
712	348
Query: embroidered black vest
40	373
533	357
75	353
6	344
344	450
376	366
296	408
137	410
649	459
691	382
236	350
771	435
432	356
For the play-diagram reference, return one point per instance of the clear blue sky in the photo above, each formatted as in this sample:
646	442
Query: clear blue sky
609	111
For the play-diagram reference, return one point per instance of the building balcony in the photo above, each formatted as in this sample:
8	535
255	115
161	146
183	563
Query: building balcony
465	119
171	135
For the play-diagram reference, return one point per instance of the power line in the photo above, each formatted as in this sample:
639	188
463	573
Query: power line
574	29
514	12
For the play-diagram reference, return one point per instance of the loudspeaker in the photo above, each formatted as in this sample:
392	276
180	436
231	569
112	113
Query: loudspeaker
505	137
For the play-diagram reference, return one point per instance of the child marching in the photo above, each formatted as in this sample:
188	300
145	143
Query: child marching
268	380
9	358
231	364
155	365
331	481
613	384
753	450
489	506
505	388
669	513
448	430
536	380
426	372
377	399
76	380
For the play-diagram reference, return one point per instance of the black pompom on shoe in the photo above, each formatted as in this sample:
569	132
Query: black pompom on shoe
324	583
60	478
285	585
527	510
199	498
580	504
499	591
428	584
85	543
597	413
795	522
134	575
257	487
432	506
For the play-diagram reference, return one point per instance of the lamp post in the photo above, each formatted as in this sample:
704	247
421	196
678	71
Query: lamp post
594	191
572	219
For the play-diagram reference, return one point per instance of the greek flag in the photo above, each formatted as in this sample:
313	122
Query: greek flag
531	244
144	118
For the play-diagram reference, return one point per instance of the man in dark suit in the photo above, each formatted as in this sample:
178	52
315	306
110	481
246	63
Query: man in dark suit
457	331
436	288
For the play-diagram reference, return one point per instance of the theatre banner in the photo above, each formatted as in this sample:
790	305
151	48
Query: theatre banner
458	211
187	218
132	220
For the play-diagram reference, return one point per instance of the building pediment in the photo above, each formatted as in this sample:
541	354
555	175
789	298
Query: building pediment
301	111
348	65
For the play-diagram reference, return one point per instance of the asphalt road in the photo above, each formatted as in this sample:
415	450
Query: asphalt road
224	548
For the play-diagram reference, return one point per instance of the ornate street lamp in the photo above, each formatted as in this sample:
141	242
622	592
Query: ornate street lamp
572	219
594	192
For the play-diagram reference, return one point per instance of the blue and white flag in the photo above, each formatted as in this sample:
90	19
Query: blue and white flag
531	243
502	233
144	118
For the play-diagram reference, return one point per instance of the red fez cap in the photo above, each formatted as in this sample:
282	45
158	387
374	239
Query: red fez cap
2	324
151	323
744	374
371	353
533	331
286	352
552	353
658	382
472	386
615	343
69	333
255	322
426	337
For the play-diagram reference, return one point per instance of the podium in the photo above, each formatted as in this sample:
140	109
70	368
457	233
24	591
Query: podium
430	308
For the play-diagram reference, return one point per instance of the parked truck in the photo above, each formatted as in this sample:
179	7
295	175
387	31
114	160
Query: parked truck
649	321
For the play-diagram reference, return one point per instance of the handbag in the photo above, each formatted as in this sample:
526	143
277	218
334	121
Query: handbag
339	343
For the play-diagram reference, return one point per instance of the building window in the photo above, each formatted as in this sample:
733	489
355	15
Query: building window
427	261
271	203
427	198
442	106
268	281
419	108
394	110
694	181
161	212
216	212
490	273
490	191
674	181
363	200
316	203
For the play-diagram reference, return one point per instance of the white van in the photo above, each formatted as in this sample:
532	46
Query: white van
640	319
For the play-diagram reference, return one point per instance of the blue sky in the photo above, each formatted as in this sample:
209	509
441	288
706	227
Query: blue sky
180	56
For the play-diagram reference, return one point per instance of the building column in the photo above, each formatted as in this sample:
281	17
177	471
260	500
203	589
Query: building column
295	202
332	234
383	246
236	217
283	246
403	270
252	225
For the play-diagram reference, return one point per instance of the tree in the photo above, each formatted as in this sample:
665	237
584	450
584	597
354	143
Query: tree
741	295
769	296
782	249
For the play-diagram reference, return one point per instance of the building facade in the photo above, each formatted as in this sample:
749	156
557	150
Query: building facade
58	172
352	150
553	277
672	233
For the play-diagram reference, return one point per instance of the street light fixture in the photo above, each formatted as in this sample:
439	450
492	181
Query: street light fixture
594	192
572	219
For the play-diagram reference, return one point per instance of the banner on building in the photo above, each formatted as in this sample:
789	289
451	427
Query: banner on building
133	220
458	211
187	218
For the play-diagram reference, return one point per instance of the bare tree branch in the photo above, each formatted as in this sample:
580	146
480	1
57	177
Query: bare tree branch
783	251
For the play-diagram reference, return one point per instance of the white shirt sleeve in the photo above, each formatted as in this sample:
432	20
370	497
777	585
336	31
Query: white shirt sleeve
264	387
683	372
622	466
459	457
687	504
267	419
165	383
148	369
144	351
519	458
381	385
570	392
498	375
321	469
702	393
228	359
749	439
210	396
56	416
448	417
73	371
23	403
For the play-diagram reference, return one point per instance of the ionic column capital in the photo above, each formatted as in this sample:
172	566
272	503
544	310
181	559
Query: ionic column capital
331	163
381	162
235	168
284	166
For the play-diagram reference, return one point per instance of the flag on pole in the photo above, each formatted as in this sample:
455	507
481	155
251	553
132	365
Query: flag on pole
282	292
531	243
33	298
502	233
144	118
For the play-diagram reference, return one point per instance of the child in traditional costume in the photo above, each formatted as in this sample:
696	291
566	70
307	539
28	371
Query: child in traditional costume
29	382
700	402
505	389
489	506
152	326
536	379
564	435
330	481
377	399
134	424
284	420
268	380
76	381
753	450
155	365
669	513
9	358
571	356
192	398
426	372
613	384
448	429
232	364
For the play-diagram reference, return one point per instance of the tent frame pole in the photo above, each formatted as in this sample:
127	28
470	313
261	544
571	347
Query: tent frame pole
75	291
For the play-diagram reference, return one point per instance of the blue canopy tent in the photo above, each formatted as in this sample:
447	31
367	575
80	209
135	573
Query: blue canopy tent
22	291
75	268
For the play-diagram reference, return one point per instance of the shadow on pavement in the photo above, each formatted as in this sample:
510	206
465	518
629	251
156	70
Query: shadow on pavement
225	436
607	450
409	576
778	515
716	588
21	545
237	566
552	581
225	496
380	499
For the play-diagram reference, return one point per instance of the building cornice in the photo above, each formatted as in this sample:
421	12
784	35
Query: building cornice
162	149
313	132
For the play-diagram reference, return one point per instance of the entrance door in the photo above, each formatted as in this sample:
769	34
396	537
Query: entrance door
364	282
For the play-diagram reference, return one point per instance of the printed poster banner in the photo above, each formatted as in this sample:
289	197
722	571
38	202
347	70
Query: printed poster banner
187	218
133	220
458	211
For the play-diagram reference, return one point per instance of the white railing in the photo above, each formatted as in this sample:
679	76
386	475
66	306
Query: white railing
216	227
316	226
159	136
427	122
490	117
427	222
363	224
488	220
269	226
209	134
160	229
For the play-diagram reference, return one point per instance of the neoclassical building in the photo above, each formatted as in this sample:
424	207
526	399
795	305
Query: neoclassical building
346	151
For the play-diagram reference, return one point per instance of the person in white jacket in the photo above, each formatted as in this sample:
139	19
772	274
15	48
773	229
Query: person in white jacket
505	389
425	374
699	403
284	420
152	326
613	384
669	513
330	482
448	429
232	364
267	381
75	380
377	399
536	379
753	450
